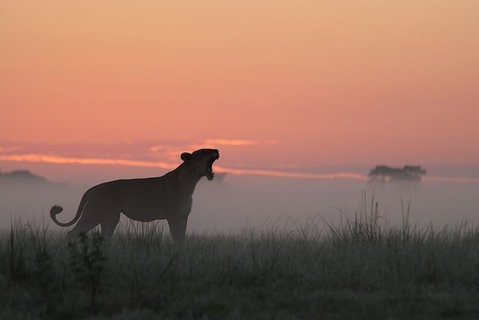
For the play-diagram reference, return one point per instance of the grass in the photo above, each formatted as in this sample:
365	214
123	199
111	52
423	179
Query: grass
360	268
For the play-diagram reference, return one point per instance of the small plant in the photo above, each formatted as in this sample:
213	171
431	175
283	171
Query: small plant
17	266
44	276
87	261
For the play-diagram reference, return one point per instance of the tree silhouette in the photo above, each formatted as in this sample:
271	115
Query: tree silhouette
406	173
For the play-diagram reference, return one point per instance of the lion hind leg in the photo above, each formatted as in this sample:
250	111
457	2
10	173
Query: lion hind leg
84	225
96	213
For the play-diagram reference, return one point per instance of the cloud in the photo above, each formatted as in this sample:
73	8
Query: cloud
85	161
276	173
230	142
156	148
171	150
168	166
8	149
208	143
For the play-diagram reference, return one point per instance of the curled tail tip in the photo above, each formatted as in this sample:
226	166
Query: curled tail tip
55	210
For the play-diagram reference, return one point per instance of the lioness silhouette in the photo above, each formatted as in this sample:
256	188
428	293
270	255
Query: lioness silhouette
167	197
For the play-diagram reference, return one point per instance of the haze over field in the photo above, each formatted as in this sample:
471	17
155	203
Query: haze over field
233	202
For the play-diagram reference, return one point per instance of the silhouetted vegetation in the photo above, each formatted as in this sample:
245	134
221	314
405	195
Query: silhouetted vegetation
360	268
407	173
87	262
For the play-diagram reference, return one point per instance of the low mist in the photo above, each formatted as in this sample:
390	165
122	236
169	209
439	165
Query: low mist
235	202
264	201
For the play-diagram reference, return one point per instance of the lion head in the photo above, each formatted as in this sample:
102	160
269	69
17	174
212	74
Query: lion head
201	161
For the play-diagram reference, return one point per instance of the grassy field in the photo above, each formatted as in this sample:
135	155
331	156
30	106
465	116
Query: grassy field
360	268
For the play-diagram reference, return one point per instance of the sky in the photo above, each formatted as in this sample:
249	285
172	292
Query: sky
274	85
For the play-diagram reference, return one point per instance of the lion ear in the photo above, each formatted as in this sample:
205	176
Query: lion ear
185	156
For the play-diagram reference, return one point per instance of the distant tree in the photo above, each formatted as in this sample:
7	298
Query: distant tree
406	173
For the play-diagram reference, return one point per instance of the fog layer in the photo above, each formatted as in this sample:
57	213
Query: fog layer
237	202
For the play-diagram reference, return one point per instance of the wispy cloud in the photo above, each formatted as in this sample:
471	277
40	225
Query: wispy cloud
168	166
53	159
276	173
8	149
170	151
238	142
225	143
85	161
230	142
156	148
208	143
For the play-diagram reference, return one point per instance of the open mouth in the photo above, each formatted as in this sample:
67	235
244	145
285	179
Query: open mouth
209	167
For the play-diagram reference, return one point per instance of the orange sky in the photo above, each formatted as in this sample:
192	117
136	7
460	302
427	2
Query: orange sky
314	82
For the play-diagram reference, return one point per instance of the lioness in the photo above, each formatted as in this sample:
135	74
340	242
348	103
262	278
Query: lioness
167	197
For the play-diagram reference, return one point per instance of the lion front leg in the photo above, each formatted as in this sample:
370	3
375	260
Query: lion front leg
178	228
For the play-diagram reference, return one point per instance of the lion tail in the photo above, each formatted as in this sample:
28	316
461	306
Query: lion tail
57	209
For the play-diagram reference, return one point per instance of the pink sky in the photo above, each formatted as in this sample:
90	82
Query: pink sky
303	83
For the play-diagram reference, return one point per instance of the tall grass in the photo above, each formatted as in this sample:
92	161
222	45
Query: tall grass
361	267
